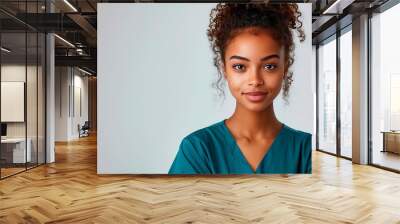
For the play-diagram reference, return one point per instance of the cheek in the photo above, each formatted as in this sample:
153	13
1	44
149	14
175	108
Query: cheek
274	82
235	82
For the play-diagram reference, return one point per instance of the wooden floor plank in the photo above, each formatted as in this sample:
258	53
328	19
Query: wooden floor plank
70	191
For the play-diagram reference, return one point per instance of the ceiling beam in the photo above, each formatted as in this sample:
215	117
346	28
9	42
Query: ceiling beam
84	61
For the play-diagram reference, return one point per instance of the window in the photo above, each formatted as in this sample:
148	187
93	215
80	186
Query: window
385	89
327	96
346	93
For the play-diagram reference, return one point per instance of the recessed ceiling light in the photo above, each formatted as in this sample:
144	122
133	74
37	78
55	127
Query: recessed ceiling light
84	71
5	50
70	5
64	40
338	6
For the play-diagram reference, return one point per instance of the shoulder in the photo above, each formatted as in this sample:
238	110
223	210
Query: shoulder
194	154
299	139
302	147
204	135
297	135
198	145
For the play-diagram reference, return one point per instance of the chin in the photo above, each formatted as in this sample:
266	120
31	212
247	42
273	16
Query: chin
257	107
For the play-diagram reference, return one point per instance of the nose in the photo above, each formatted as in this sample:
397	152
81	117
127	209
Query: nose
255	78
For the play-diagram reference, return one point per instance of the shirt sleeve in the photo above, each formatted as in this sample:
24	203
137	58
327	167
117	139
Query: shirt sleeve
306	161
190	159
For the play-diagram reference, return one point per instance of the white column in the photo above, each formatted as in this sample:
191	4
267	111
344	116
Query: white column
50	110
360	90
50	92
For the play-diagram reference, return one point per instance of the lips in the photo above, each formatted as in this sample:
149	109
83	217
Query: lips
257	96
256	93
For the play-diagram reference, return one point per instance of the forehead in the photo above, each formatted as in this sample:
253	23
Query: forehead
253	42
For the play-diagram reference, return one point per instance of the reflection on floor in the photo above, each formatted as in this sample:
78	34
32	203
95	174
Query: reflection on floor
386	159
11	169
70	191
346	152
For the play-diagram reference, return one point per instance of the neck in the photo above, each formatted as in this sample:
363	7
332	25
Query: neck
255	125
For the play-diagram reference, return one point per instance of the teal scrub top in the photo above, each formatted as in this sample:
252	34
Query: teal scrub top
213	150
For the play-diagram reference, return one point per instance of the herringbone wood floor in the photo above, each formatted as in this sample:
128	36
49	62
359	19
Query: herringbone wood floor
70	191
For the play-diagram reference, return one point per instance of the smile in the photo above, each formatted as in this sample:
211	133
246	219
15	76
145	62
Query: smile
255	96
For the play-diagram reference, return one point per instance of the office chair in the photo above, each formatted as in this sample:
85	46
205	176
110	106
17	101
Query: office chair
84	130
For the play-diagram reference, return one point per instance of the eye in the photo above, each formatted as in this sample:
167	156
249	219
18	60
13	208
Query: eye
270	66
238	67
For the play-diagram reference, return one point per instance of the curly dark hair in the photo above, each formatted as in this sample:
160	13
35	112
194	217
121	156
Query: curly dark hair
228	19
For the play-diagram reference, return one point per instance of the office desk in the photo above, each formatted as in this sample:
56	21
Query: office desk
391	141
15	148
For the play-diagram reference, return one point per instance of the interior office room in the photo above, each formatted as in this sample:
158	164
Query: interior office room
24	72
56	168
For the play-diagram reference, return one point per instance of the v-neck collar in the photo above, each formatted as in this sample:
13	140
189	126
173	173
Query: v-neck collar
236	148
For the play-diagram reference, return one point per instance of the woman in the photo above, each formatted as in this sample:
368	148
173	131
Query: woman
253	47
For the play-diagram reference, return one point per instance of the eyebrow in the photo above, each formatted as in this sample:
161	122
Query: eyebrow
262	59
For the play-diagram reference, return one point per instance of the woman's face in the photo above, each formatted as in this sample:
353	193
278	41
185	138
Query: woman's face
254	68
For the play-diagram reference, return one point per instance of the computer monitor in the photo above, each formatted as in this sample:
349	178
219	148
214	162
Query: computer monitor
3	129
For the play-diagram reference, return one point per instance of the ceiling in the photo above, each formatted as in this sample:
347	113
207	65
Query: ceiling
76	22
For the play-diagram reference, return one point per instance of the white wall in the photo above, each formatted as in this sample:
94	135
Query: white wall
154	84
12	99
15	73
61	103
67	81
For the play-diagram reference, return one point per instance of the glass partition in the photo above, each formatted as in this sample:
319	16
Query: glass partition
346	93
13	104
385	89
32	95
22	78
41	87
327	95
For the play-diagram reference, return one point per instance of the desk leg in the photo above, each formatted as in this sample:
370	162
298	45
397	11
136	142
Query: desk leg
384	142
